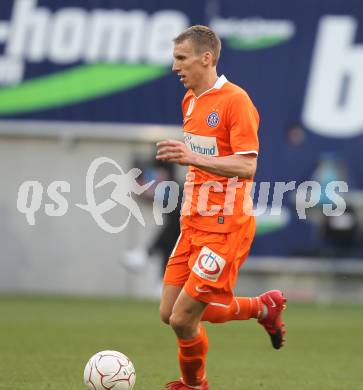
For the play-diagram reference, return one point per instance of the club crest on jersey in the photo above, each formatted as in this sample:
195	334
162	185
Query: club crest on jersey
213	119
209	265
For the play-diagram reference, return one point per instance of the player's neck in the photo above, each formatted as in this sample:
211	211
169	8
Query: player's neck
206	83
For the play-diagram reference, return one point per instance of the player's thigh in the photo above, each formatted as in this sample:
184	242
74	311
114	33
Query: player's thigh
186	315
176	274
168	298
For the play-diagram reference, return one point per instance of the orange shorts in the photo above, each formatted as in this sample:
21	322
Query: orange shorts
207	264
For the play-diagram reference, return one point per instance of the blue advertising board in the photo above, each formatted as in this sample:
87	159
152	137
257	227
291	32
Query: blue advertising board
110	61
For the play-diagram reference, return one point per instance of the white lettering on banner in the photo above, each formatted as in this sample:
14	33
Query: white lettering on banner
4	31
74	34
164	27
333	102
209	265
29	32
201	144
117	36
69	27
252	28
11	70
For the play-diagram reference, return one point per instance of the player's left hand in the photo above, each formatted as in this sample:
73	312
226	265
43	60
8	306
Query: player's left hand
175	152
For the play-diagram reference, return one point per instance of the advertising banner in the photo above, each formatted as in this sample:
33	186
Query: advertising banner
110	61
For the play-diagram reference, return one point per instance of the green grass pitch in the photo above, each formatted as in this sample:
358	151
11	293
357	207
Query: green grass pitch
45	343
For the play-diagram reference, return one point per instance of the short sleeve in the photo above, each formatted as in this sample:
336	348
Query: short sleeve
243	123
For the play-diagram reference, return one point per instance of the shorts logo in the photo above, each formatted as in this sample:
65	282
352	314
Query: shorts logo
201	290
213	119
209	265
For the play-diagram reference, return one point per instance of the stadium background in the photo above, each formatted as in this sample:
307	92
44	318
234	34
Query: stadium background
80	80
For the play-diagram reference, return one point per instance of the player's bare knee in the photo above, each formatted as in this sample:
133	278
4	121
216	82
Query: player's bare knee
181	324
165	315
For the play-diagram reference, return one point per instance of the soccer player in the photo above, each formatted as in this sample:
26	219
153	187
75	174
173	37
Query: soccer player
220	148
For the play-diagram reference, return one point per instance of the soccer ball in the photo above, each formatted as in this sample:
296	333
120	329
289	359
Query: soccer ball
108	370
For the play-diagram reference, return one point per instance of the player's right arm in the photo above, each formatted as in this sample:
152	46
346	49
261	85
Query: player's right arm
237	165
242	122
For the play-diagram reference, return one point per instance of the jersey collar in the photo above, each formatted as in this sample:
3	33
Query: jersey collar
217	85
220	82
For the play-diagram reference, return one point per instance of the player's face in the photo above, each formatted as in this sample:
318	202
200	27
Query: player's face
188	65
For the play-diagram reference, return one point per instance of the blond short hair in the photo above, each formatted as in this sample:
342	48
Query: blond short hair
203	38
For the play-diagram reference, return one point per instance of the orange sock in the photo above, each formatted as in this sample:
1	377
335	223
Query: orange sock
192	358
241	308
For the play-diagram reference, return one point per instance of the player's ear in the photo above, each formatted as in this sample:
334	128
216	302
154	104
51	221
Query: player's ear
206	58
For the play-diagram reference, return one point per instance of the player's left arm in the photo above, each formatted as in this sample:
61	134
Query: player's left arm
242	166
